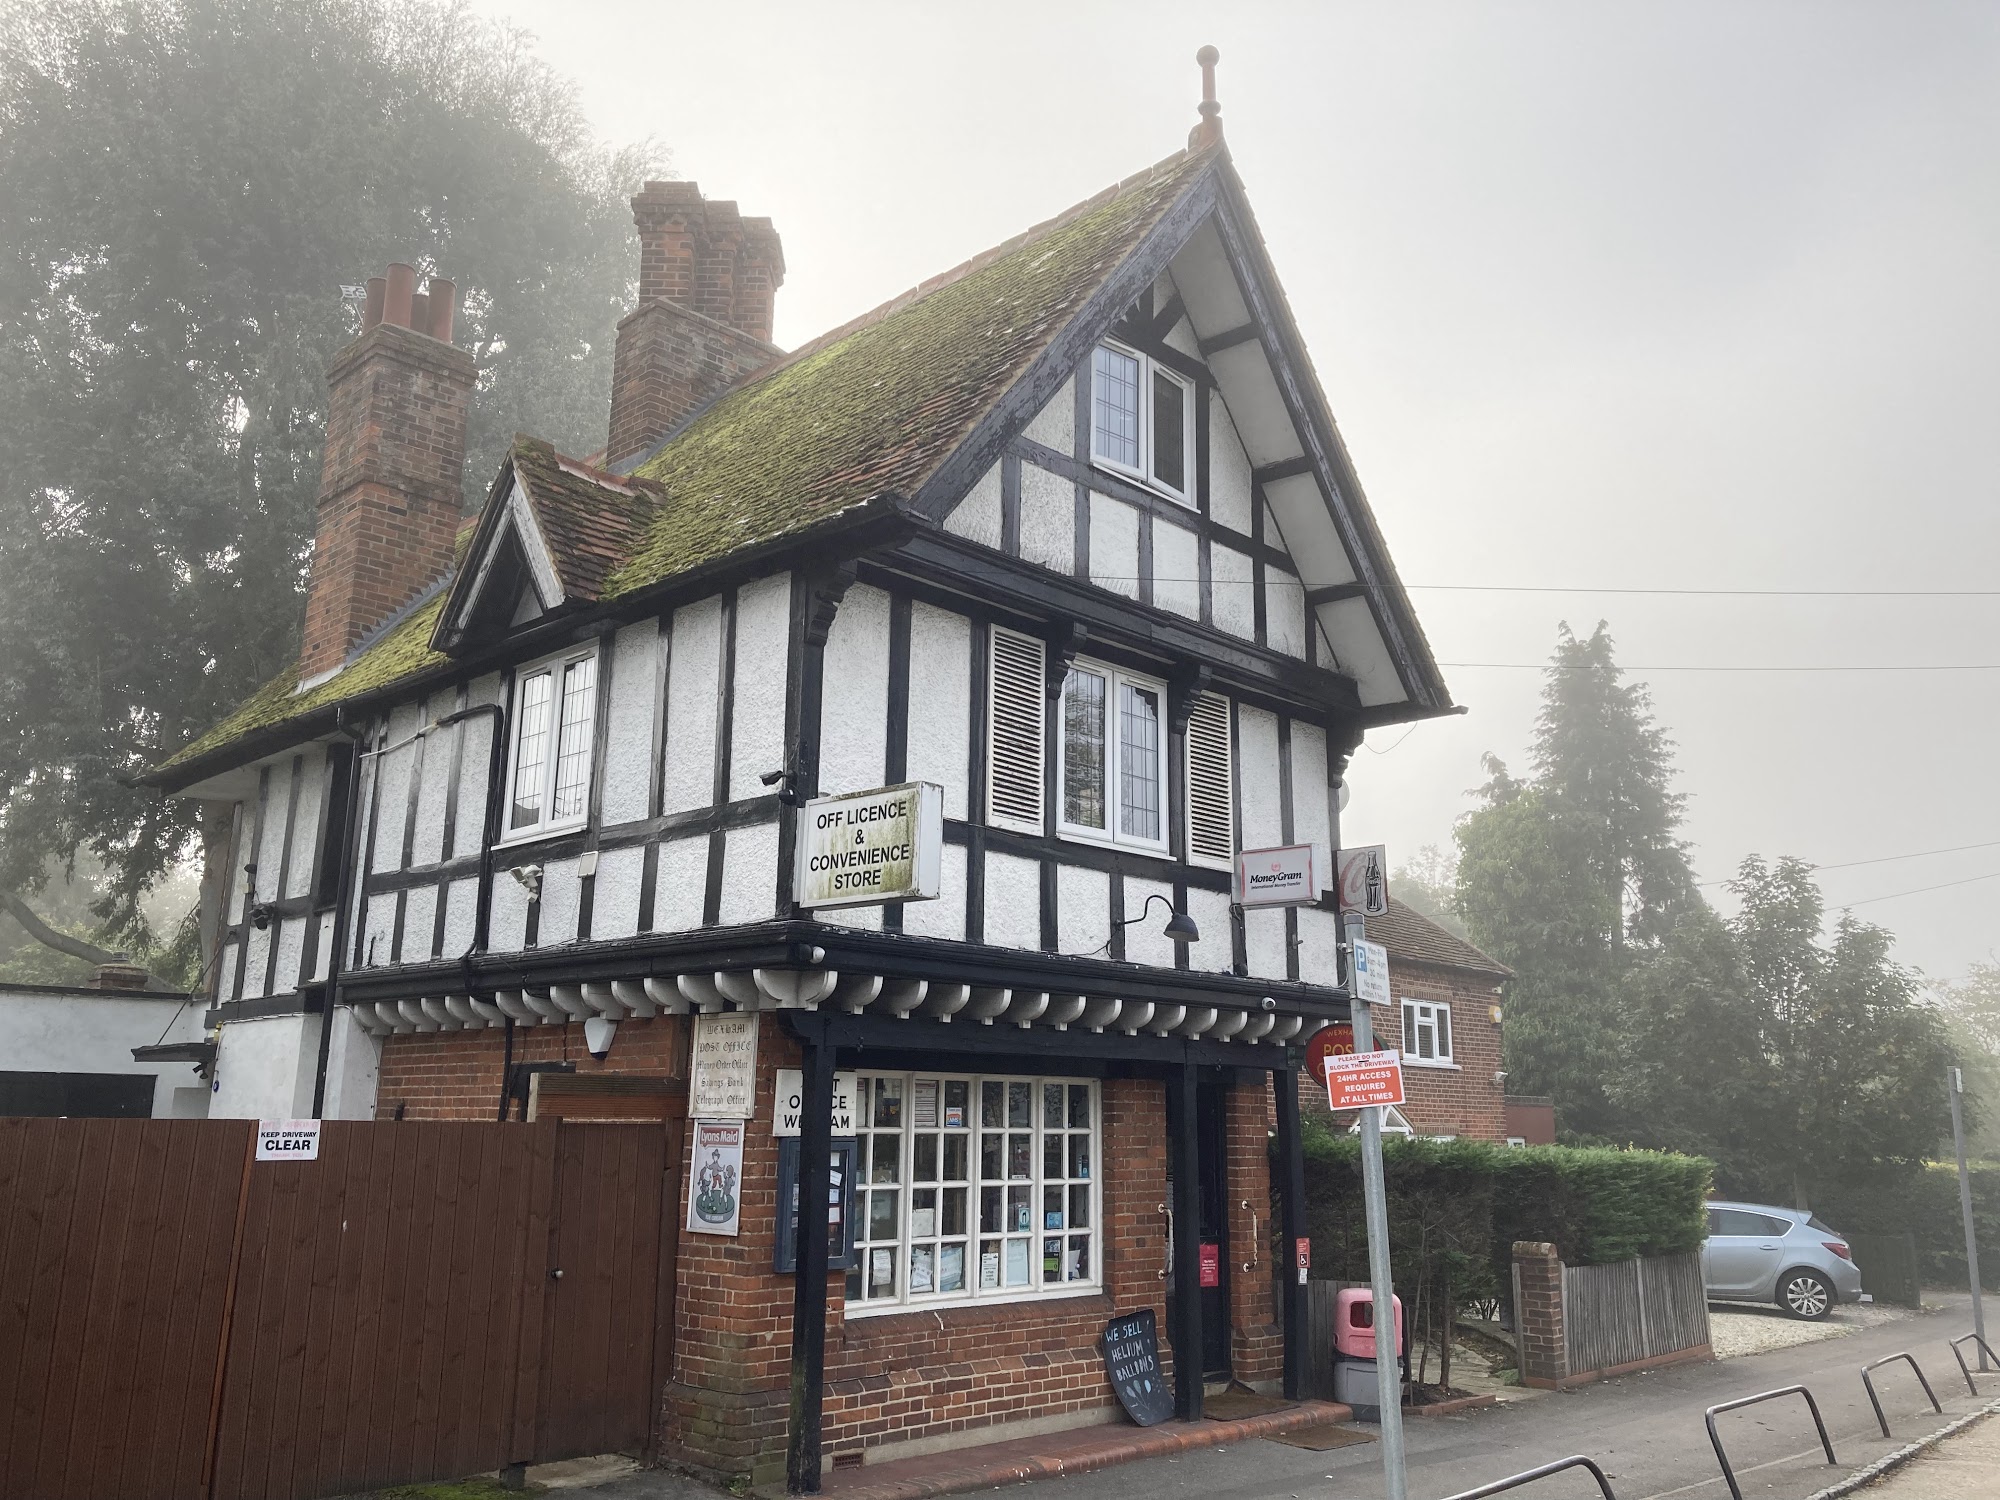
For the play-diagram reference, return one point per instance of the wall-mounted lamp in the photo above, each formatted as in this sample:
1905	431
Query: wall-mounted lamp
260	912
1180	926
530	879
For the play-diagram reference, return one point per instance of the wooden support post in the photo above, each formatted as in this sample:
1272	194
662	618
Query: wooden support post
1292	1163
1184	1315
802	1460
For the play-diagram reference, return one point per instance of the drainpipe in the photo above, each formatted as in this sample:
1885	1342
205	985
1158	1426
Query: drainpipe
343	903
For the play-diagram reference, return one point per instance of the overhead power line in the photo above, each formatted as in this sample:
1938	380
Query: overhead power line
1550	666
1880	859
1920	890
1536	588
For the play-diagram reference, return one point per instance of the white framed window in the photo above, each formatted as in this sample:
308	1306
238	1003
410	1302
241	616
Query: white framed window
548	765
1111	768
1427	1032
973	1189
1142	420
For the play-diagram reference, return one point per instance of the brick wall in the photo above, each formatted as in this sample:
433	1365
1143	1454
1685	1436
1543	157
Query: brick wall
1538	1312
901	1375
389	485
1464	1100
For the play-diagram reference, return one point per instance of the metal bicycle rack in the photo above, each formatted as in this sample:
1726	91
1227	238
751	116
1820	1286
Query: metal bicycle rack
1529	1476
1715	1438
1958	1353
1873	1400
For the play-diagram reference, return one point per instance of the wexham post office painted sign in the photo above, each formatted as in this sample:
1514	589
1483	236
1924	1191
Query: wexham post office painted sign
867	847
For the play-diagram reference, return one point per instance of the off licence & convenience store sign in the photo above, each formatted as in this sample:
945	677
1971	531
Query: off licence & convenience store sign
867	848
1361	1079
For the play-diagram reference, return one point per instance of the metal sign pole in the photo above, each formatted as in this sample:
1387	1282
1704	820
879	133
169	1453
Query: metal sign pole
1375	1202
1956	1081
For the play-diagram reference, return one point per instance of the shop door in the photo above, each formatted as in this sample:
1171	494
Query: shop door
1214	1237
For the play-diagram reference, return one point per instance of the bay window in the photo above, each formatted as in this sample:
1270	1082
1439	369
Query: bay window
1142	419
1112	757
973	1188
548	773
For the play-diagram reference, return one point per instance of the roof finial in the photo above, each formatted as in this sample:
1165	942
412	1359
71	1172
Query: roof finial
1209	131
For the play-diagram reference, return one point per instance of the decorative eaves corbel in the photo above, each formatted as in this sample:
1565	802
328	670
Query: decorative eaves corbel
824	591
1184	687
1066	638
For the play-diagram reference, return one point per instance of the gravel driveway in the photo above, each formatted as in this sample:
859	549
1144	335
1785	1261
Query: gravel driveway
1737	1328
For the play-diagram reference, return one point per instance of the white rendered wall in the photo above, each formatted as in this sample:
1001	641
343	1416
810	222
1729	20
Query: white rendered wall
353	1067
939	746
61	1030
693	680
264	1069
854	698
757	712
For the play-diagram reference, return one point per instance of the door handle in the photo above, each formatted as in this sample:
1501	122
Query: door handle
1767	1247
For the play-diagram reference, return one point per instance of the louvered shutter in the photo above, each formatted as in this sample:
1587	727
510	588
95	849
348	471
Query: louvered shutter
1211	804
1017	704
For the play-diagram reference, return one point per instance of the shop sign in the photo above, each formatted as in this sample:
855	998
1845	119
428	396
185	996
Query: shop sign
288	1140
791	1098
724	1086
868	848
1364	880
1132	1365
715	1177
1211	1265
1362	1079
1371	973
1302	1249
1336	1040
1289	875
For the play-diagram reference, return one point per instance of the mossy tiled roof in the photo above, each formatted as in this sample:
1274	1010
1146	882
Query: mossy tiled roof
1412	937
876	407
870	409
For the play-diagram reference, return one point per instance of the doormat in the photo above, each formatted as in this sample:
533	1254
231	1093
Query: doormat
1233	1406
1327	1435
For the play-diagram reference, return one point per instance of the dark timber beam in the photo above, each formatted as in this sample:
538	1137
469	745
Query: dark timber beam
1184	1312
1229	338
1333	593
1284	468
1292	1164
802	1457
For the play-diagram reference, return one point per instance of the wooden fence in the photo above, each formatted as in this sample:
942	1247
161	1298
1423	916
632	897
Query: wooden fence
424	1300
1632	1311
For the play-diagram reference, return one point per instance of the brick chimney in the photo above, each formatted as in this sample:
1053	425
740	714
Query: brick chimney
389	479
708	278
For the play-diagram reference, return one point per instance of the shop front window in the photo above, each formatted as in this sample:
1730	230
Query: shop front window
973	1188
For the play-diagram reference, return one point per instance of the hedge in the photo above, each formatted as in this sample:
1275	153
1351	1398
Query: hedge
1925	1203
1597	1205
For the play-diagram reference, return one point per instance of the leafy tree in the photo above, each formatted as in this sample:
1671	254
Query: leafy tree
1854	1060
184	186
1428	885
1971	1009
1525	888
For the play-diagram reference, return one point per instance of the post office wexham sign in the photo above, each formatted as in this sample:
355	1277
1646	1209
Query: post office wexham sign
862	848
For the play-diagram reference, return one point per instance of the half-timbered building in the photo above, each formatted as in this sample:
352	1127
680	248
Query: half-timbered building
1067	533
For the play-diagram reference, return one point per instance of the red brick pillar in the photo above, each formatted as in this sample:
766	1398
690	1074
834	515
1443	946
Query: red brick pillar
1257	1340
1538	1314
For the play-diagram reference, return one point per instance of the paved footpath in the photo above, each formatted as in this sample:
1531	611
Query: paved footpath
1965	1466
1646	1430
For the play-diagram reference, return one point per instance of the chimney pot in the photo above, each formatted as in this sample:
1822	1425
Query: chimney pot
402	288
444	304
420	312
371	312
119	976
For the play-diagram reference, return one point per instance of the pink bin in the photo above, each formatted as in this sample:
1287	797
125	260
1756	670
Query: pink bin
1354	1323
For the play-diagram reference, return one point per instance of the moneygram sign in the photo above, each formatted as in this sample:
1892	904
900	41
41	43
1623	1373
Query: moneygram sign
1290	875
867	848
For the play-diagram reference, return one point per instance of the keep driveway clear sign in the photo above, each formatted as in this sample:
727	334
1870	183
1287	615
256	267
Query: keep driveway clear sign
1361	1079
867	848
288	1140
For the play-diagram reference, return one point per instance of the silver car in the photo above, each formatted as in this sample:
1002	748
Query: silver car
1758	1253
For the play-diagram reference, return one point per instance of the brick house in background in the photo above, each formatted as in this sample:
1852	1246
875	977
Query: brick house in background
1446	1019
1067	534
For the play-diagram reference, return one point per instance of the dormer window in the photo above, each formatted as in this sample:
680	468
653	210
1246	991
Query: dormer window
555	706
1142	420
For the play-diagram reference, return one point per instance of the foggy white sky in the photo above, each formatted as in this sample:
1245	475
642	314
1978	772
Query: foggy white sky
1676	295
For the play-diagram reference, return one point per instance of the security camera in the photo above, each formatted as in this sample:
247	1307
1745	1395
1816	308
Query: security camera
1267	1003
1500	1075
772	778
598	1034
530	878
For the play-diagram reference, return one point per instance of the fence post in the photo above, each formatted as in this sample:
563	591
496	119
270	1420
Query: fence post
1538	1314
1646	1350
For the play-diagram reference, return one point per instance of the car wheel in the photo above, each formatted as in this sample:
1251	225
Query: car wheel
1805	1294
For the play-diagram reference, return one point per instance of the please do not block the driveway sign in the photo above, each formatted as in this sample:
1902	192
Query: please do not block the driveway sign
1359	1079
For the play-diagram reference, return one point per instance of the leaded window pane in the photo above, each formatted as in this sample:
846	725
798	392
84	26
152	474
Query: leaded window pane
1115	404
1083	749
531	749
1138	761
1169	432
